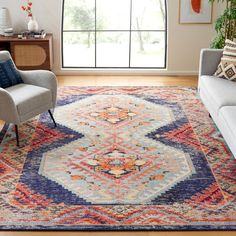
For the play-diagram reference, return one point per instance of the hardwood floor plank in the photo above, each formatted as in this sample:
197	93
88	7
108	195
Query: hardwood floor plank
127	81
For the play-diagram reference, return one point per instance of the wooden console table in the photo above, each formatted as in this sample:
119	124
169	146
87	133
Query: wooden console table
29	54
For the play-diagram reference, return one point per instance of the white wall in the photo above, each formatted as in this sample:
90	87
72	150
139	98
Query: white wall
184	41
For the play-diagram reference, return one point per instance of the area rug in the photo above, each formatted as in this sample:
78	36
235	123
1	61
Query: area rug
121	158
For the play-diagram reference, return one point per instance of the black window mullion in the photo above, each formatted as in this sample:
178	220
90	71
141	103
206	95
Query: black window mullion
166	26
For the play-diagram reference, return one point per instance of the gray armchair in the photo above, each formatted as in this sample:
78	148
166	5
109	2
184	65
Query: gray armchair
23	101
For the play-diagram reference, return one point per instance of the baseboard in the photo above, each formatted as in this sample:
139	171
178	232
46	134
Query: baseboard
125	72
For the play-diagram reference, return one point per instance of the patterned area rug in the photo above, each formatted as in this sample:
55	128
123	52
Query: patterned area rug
121	158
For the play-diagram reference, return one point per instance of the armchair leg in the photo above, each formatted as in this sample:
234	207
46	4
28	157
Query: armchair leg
50	113
17	136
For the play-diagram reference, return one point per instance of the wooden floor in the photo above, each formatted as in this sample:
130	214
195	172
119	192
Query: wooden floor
123	81
127	80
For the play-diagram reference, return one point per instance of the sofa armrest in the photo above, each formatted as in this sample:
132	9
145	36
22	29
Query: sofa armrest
209	60
41	78
8	110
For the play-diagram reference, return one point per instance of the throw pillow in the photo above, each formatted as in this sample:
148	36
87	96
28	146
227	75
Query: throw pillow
227	67
9	76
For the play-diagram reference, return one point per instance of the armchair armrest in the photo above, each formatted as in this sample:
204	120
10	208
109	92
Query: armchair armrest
209	60
8	110
41	78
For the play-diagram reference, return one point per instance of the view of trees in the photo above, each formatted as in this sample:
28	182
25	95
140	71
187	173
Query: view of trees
107	22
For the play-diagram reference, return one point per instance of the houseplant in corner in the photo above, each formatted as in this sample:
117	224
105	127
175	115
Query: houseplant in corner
32	23
225	25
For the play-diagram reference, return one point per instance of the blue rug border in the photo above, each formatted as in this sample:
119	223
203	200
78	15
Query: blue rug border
100	228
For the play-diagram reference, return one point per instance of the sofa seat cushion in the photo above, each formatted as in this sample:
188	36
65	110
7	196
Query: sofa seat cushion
29	97
227	125
227	115
220	91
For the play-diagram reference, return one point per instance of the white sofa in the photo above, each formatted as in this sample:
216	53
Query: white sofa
218	95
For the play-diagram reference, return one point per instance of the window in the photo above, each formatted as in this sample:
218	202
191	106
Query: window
114	34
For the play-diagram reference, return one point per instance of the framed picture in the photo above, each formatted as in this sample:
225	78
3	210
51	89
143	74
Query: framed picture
195	12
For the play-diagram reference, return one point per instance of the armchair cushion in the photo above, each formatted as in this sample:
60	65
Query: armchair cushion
30	100
9	76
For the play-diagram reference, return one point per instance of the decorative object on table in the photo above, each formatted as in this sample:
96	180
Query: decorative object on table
195	12
32	23
121	158
5	20
40	34
225	25
8	32
28	34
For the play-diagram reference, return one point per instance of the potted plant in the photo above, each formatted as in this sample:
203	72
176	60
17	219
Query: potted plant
225	25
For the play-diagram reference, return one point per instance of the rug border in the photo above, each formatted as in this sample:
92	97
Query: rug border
100	228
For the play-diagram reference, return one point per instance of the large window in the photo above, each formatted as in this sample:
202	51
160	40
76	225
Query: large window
114	34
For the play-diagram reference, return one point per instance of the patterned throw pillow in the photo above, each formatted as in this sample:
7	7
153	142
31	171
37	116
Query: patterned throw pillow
227	67
9	76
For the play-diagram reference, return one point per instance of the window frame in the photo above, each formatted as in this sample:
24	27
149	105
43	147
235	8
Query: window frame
165	31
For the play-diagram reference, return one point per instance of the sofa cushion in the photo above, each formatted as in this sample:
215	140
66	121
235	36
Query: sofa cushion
9	76
227	67
227	116
228	113
220	91
29	97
